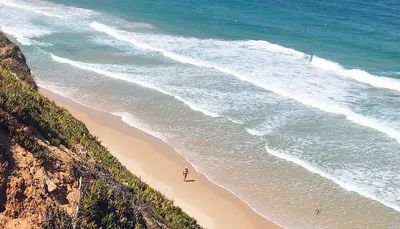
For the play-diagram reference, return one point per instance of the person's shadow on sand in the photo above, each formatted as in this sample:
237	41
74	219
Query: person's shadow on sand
190	180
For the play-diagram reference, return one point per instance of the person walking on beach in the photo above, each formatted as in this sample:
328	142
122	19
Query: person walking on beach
185	173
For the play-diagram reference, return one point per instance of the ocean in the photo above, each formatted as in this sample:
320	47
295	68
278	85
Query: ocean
290	105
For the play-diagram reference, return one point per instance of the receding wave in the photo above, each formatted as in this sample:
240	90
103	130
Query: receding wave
344	185
139	25
358	74
24	36
24	7
255	132
49	9
96	68
308	100
24	20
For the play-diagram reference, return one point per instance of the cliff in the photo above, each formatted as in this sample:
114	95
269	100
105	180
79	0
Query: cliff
12	59
55	174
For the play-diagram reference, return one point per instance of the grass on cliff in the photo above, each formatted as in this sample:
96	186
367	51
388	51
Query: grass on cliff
58	126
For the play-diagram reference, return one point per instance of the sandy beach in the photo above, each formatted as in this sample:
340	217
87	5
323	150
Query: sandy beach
161	166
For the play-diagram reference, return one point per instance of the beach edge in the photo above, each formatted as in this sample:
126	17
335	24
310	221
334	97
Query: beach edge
159	165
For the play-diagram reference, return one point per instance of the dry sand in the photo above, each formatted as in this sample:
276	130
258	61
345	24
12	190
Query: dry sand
161	166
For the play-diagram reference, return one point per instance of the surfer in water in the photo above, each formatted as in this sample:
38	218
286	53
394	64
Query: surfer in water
311	57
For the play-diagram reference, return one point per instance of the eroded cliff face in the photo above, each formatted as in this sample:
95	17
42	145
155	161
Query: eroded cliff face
26	198
42	185
12	59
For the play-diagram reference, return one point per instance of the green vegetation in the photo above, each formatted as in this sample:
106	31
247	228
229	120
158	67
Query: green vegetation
27	106
103	208
22	136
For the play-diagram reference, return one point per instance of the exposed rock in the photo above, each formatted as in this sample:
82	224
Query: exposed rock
49	184
12	59
26	202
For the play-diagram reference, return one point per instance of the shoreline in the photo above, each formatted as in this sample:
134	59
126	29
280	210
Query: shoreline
210	204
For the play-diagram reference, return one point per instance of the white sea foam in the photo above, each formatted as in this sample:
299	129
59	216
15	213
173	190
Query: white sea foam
274	48
120	35
282	72
25	7
345	185
117	34
23	20
99	69
355	74
26	35
59	90
20	25
324	92
139	124
126	117
256	132
26	20
49	9
358	74
235	120
139	25
277	118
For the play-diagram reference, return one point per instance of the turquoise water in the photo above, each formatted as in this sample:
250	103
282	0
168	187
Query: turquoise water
357	34
289	105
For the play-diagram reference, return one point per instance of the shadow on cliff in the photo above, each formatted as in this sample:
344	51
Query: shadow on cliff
4	165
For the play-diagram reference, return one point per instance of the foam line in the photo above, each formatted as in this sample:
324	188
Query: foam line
358	74
97	69
335	109
344	185
24	7
355	74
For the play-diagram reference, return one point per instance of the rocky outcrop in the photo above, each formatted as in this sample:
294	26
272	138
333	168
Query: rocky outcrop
12	59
